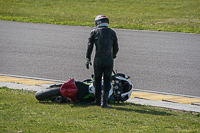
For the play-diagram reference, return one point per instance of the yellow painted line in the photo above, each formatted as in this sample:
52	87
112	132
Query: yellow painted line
163	97
25	80
185	100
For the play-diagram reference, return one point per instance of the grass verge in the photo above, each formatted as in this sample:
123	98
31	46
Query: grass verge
21	112
159	15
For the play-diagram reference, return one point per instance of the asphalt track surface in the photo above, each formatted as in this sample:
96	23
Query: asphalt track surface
156	61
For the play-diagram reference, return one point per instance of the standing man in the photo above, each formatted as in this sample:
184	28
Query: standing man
106	44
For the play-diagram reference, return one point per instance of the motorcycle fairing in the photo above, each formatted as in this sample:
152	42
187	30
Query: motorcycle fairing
69	90
83	90
125	95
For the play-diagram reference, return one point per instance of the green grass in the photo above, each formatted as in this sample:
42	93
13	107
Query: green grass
21	112
159	15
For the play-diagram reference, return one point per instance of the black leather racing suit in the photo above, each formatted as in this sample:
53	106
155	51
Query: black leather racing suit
106	44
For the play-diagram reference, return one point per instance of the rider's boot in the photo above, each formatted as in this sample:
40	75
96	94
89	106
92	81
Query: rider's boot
97	100
104	100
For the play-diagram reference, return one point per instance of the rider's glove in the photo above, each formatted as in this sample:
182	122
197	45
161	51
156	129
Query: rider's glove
87	63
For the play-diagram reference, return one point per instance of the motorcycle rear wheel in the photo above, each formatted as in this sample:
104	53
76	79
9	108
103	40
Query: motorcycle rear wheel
47	94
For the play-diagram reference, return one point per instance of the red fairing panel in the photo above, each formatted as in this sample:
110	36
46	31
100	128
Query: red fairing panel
69	90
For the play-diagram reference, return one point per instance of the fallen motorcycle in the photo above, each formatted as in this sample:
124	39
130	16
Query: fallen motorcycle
73	91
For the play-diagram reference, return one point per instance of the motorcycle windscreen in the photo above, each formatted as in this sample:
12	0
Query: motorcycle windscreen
69	90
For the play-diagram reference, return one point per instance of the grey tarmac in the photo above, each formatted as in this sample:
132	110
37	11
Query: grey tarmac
155	61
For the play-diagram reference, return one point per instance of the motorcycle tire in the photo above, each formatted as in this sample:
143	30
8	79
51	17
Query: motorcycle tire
48	94
59	99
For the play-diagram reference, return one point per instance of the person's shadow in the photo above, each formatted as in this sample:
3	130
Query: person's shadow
143	109
139	109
